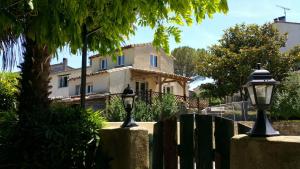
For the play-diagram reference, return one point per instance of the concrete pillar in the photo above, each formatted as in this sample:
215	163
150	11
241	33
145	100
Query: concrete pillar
127	147
279	152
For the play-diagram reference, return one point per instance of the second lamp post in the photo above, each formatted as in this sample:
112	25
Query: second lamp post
260	87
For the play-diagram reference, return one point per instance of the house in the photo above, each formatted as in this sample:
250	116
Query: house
291	28
141	66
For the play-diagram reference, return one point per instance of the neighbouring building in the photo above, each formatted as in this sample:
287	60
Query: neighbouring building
141	66
291	28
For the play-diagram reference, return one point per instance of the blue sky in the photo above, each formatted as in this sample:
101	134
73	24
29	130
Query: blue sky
210	30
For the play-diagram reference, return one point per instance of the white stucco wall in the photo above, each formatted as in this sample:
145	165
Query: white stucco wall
54	82
142	59
100	83
128	61
118	80
139	57
293	31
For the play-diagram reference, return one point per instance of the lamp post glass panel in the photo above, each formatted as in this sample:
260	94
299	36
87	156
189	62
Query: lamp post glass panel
260	87
128	97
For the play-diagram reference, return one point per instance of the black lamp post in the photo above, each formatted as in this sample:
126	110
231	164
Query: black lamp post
260	87
128	97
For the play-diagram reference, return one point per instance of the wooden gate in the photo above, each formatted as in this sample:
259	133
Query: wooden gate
204	140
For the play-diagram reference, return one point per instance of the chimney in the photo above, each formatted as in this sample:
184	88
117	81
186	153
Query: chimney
65	64
280	19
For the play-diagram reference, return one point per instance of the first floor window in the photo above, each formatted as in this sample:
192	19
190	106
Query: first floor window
121	60
103	64
89	89
63	81
77	89
168	89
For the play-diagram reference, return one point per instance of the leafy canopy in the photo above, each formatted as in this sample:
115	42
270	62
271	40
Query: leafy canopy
237	53
56	23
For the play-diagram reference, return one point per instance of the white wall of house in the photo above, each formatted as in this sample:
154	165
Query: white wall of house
142	59
138	57
128	60
293	31
118	80
100	83
56	90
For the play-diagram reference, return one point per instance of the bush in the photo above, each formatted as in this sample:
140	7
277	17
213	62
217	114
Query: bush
61	138
286	104
142	111
168	106
8	90
115	110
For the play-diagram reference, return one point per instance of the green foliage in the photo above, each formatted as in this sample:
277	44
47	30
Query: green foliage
168	106
295	53
286	104
62	138
115	110
142	111
8	90
239	50
56	23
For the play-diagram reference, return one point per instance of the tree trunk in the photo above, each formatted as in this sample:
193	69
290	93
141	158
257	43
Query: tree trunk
34	81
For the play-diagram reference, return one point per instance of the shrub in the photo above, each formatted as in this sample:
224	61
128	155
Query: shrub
286	104
142	111
61	138
115	110
8	90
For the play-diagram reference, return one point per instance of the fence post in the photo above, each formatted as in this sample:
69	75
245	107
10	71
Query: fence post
157	151
204	142
224	131
186	148
170	143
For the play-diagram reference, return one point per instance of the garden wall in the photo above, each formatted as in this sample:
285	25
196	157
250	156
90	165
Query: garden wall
288	128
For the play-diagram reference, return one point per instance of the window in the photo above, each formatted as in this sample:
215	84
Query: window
77	89
121	60
103	64
63	81
168	89
89	89
153	60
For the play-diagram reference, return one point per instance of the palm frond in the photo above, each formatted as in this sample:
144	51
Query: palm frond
10	49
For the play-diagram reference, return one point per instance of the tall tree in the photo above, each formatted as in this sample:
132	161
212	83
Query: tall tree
186	59
239	50
42	26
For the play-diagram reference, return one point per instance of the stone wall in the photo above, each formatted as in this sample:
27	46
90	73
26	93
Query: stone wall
279	152
287	128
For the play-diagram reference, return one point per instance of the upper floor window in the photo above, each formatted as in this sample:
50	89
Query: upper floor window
153	60
103	64
121	60
63	81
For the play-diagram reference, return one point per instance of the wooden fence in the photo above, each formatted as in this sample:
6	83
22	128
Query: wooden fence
204	139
